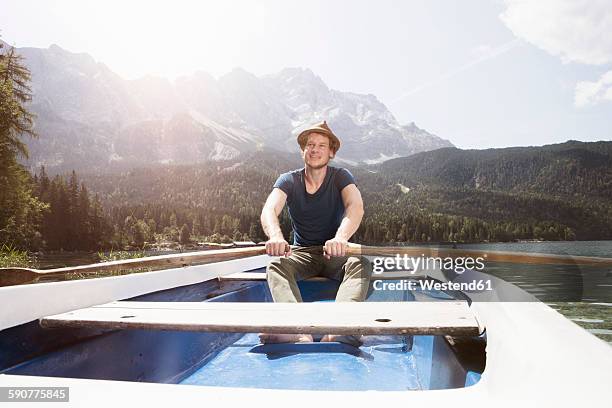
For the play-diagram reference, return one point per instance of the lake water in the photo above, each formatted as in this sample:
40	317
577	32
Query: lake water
580	248
583	294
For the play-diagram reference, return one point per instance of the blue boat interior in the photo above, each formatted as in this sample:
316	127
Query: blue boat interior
238	359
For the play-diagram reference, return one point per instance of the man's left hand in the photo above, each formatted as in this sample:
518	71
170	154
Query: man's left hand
335	247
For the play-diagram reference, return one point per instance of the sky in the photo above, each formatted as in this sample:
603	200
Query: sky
480	73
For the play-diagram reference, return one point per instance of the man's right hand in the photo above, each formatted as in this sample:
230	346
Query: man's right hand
277	246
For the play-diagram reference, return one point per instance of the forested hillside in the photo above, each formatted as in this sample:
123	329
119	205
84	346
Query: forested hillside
558	192
561	191
573	168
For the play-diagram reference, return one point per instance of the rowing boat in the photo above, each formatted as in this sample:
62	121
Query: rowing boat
190	334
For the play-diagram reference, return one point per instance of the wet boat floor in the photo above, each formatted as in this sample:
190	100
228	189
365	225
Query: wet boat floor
382	363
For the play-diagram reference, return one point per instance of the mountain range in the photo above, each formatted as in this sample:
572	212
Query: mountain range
87	116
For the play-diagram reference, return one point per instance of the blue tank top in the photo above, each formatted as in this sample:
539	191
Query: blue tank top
315	218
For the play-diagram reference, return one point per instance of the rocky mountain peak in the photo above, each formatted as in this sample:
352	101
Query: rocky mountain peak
88	115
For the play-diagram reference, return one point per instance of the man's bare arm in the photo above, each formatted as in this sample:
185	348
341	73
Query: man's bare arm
353	213
276	244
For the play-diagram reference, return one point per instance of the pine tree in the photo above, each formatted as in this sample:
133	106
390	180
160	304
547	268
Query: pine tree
184	235
196	228
15	93
84	217
73	221
20	211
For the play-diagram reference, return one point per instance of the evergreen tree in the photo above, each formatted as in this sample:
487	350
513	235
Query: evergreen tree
15	120
84	238
20	211
184	236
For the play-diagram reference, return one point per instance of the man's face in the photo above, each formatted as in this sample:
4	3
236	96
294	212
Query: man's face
317	152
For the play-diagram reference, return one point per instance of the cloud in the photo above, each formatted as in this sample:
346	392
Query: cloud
591	93
574	30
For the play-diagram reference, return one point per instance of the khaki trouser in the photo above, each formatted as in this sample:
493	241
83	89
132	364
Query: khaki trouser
284	273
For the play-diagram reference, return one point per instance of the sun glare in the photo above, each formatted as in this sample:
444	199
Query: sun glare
167	38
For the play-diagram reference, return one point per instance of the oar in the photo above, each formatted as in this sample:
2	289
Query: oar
491	256
16	276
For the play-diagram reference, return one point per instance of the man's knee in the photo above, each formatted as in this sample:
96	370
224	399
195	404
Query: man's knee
359	267
273	270
282	275
279	268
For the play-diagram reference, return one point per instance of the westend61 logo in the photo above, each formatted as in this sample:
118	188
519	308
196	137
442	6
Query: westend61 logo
458	265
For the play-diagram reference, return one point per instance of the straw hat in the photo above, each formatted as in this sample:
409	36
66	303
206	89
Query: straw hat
323	129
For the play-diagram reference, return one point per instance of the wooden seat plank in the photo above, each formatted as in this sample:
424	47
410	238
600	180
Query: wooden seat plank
426	318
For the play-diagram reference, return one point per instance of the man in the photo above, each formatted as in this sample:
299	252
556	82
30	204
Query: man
326	209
